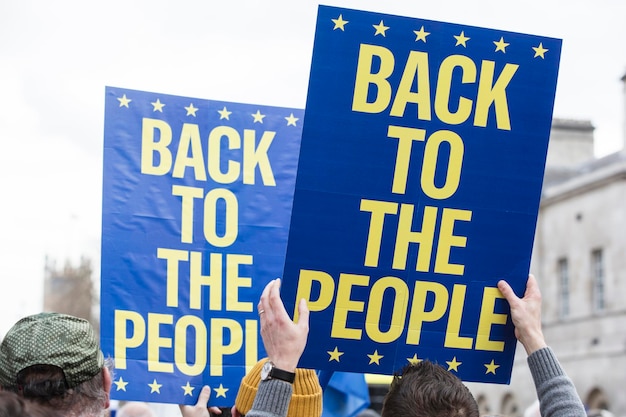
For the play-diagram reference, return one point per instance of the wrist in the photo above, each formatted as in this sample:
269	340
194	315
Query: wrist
271	371
534	343
284	366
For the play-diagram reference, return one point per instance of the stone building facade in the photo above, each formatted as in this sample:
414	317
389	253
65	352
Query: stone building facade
579	259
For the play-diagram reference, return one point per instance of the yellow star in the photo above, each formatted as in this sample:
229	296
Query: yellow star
421	34
461	39
375	358
380	28
453	364
121	384
291	121
334	355
158	106
491	367
188	389
501	45
191	110
414	360
224	114
124	101
339	22
540	50
155	387
258	117
220	392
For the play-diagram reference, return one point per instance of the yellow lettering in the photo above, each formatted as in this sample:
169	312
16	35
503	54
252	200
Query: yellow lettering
416	68
493	93
218	348
405	237
488	318
344	305
156	342
231	216
124	320
149	147
365	77
130	333
444	86
186	224
200	347
405	136
252	348
305	284
419	315
375	234
172	257
431	156
447	239
197	281
234	282
453	339
257	155
189	139
374	309
215	152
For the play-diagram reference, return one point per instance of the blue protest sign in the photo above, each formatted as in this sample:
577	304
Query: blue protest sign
418	187
196	202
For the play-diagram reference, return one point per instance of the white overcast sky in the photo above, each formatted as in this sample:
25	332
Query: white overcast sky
56	57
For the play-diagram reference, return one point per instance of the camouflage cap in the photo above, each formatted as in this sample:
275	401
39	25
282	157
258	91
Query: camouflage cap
51	339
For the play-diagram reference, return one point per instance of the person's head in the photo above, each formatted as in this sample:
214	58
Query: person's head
55	360
426	389
306	400
12	405
135	409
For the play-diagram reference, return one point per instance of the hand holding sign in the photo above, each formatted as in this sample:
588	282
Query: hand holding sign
284	340
526	314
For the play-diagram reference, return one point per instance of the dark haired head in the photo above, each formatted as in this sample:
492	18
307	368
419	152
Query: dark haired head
46	385
12	405
426	389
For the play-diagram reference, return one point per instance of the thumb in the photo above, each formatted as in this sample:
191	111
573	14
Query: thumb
203	399
507	291
303	311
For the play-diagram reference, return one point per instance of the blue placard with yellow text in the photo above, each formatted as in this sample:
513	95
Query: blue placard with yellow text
197	196
418	187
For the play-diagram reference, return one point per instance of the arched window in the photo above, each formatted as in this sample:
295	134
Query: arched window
483	405
509	406
597	403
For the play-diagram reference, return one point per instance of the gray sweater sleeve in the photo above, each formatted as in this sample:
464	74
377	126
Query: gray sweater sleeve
272	399
555	390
